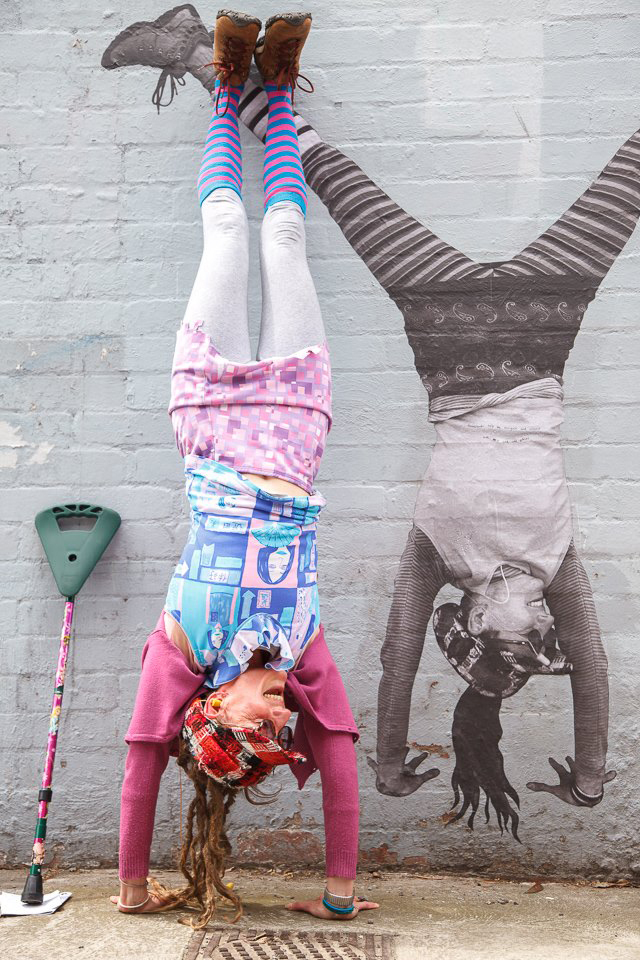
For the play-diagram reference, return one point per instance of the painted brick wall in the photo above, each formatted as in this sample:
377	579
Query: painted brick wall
484	118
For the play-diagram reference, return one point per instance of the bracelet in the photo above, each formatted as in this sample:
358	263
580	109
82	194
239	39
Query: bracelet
134	885
337	904
584	799
132	906
340	910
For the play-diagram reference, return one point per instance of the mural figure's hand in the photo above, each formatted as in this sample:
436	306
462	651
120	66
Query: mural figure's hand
563	790
398	778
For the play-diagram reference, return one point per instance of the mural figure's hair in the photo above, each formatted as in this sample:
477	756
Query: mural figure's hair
479	763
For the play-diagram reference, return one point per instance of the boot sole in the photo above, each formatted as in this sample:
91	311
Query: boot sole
165	17
239	19
293	19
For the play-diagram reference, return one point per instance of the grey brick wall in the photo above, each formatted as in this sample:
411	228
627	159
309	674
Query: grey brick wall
484	118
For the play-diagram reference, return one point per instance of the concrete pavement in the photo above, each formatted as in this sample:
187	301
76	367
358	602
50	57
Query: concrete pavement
432	917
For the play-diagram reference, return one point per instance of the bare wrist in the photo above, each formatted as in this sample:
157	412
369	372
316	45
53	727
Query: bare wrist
389	770
341	886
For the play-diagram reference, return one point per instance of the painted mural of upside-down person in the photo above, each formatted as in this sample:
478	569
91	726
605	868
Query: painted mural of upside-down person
493	517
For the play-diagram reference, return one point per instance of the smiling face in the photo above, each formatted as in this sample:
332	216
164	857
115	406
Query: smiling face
511	607
255	699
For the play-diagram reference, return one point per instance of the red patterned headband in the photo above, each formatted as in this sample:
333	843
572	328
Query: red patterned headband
234	757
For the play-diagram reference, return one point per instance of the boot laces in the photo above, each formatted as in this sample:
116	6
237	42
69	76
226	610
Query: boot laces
235	51
174	82
288	53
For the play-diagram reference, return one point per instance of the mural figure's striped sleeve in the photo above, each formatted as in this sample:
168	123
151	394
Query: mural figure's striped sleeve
570	601
421	575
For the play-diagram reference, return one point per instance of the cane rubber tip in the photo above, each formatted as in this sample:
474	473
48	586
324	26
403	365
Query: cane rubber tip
33	893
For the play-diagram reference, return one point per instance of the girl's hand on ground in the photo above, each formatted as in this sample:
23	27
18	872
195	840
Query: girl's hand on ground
317	909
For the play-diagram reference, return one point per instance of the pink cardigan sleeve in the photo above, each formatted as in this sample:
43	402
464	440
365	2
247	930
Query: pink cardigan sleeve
325	731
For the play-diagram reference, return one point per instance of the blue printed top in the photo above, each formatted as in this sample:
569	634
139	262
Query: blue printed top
247	577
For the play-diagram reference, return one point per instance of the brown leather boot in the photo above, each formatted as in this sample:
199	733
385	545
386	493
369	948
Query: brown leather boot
277	53
234	40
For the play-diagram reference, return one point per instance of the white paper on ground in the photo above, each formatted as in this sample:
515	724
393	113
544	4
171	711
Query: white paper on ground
12	906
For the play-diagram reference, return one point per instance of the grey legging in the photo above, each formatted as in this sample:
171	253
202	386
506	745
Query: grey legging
291	318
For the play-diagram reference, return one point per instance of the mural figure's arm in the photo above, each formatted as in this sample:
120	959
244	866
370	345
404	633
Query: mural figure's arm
399	251
586	240
570	601
421	576
583	244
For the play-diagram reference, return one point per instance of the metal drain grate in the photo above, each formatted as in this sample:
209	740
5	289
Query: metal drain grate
288	945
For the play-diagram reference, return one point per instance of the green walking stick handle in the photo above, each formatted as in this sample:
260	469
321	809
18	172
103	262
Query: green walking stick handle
74	537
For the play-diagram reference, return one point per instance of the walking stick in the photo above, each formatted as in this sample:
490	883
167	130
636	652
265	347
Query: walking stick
74	537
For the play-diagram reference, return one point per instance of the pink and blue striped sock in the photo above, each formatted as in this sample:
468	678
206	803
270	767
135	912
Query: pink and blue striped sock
283	173
222	158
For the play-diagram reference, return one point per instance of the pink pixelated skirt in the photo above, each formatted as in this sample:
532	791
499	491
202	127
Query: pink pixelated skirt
269	416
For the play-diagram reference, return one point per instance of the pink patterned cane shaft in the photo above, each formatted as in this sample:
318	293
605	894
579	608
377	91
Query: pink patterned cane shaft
54	721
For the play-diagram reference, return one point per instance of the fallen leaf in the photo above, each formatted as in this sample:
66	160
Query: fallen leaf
536	887
601	884
433	749
448	816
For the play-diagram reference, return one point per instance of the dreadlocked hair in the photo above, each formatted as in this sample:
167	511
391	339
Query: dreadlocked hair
205	847
204	851
476	736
